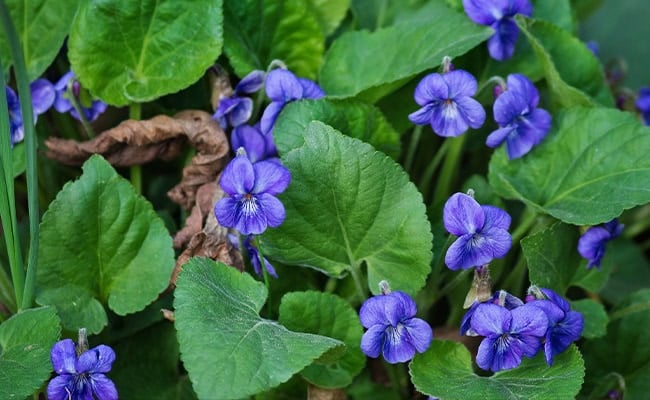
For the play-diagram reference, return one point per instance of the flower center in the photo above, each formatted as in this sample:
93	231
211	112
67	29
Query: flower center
249	205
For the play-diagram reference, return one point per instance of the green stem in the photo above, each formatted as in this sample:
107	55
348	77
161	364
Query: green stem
395	374
415	139
265	273
449	169
8	202
425	180
135	113
515	281
528	220
361	292
451	285
7	291
24	94
90	132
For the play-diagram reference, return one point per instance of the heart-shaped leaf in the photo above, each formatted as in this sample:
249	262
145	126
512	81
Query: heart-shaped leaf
349	204
101	244
229	351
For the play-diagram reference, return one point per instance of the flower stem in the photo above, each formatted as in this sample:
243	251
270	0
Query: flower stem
451	285
515	281
425	180
6	291
395	374
90	132
449	168
265	273
24	94
415	139
135	113
361	292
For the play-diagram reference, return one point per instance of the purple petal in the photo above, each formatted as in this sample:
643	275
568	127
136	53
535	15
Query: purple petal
553	313
501	45
491	320
485	12
496	242
567	331
102	387
556	299
226	211
508	107
250	218
591	245
422	116
529	320
373	311
56	389
251	83
269	116
272	209
62	84
254	255
463	254
96	360
399	307
283	86
420	334
62	104
270	177
238	177
495	217
310	89
373	340
614	228
460	83
523	7
43	95
431	88
251	139
523	87
447	121
471	111
465	323
529	345
64	357
499	353
397	346
496	138
462	215
643	100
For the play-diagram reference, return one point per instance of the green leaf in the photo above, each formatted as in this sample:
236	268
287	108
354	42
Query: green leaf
347	205
590	167
328	315
227	348
554	261
259	31
574	75
557	12
445	371
101	244
352	117
42	26
19	159
595	317
630	270
25	343
625	349
328	13
155	48
153	356
351	64
375	14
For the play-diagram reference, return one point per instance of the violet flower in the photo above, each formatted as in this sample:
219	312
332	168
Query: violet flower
500	298
643	104
282	87
447	104
236	110
65	89
81	377
564	325
252	206
509	334
393	330
591	244
258	146
499	15
42	93
253	255
482	232
522	124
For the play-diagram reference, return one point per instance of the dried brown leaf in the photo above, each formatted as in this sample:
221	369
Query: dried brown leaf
318	393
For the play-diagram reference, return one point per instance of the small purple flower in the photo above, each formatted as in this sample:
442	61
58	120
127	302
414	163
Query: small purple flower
81	377
482	232
258	146
447	103
500	298
509	334
643	104
499	14
393	329
522	124
594	47
66	89
564	325
42	93
282	87
236	110
592	243
252	206
253	255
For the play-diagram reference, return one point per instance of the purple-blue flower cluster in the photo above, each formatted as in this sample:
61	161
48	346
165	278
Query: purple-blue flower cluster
236	110
521	124
513	329
499	15
643	104
447	103
69	87
592	243
393	331
482	232
258	146
81	373
42	93
253	255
